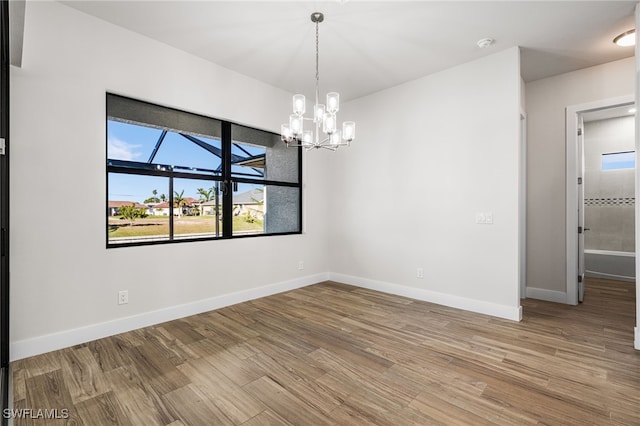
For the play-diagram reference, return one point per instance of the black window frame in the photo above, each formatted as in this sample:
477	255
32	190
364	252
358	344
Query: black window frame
226	182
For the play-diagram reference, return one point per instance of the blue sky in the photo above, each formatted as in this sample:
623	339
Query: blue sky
135	143
619	160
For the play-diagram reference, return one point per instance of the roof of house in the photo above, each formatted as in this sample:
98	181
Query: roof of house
254	196
118	204
188	201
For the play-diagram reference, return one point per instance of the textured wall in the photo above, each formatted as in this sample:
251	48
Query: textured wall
609	194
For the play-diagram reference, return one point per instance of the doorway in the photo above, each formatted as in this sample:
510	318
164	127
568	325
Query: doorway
609	193
604	191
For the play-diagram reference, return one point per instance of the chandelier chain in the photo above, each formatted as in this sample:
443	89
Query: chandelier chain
317	62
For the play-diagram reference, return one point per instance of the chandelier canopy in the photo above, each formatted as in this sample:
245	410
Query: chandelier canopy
324	132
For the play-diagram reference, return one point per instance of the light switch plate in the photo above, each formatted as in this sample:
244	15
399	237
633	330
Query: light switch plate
484	218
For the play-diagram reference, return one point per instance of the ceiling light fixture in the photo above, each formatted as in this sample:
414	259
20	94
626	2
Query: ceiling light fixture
627	38
324	116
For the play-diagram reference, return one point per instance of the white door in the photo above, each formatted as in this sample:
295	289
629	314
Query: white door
581	229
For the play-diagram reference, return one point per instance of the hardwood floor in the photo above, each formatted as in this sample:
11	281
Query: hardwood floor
331	354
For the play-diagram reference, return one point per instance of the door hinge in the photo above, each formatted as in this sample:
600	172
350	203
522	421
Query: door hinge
3	146
579	278
579	181
579	132
579	229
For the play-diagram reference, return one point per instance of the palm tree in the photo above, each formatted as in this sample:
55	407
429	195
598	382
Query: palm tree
179	201
205	196
154	198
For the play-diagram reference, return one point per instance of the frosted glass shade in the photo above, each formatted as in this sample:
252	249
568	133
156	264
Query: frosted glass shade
348	130
298	104
333	102
318	115
335	138
285	133
329	123
295	124
307	137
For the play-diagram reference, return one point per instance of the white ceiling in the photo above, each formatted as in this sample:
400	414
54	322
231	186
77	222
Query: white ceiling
369	46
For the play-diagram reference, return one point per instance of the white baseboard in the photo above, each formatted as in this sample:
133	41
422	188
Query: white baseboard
609	276
548	295
51	342
487	308
636	342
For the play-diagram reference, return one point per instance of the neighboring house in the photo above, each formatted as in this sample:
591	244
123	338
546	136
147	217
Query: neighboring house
113	207
159	209
209	208
191	207
251	202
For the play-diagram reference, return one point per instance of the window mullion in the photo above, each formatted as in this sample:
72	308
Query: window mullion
171	208
227	194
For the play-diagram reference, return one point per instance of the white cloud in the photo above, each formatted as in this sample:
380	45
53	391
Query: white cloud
120	150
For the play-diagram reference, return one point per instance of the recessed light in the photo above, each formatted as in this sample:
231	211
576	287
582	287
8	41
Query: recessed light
627	38
485	42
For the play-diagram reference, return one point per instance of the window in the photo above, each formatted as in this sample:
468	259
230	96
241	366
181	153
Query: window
619	160
175	176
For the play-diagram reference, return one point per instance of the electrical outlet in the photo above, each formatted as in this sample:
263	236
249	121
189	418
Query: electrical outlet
300	265
123	297
420	273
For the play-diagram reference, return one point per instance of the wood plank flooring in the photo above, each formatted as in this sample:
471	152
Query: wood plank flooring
332	354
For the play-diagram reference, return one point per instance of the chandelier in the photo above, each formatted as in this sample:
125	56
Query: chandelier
324	132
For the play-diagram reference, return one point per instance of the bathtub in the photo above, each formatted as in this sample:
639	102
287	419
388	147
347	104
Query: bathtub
615	265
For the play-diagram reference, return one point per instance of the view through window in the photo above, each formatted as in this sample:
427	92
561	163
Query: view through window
619	160
175	176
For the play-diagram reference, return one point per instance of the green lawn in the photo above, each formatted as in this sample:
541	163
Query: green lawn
159	226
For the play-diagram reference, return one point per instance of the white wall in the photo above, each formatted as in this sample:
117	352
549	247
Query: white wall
63	281
546	101
429	154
